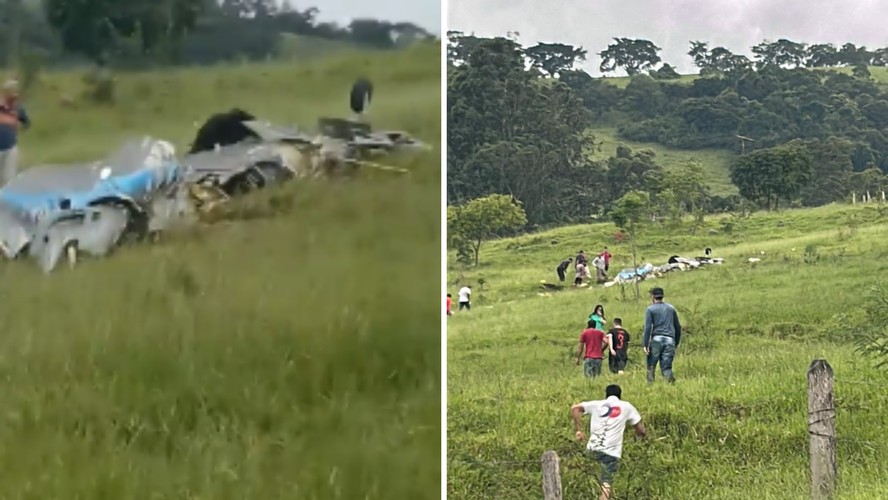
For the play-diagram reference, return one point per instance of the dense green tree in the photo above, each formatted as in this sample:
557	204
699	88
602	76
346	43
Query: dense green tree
482	218
630	213
555	58
631	55
769	175
510	131
95	27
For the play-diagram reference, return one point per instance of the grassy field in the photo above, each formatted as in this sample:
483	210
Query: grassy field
734	426
294	356
716	162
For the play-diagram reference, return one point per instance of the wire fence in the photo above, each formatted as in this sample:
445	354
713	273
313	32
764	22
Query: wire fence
576	456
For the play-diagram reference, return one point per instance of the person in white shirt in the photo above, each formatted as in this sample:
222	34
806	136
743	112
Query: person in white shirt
465	297
600	274
608	420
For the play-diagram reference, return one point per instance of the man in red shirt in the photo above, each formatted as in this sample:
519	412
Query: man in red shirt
592	341
607	259
449	305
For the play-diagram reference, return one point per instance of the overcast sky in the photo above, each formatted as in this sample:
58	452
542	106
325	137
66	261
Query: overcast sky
424	13
736	24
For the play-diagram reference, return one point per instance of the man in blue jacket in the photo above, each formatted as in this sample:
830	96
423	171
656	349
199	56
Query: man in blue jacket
662	334
12	118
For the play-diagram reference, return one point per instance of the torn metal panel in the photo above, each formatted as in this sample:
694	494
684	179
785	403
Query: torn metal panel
94	231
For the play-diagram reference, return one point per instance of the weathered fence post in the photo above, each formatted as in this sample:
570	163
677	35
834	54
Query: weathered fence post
822	429
551	476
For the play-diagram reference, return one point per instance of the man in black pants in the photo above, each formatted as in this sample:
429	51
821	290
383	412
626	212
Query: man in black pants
562	268
618	339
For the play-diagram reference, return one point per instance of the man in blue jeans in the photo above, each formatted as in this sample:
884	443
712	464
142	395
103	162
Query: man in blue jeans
12	119
662	334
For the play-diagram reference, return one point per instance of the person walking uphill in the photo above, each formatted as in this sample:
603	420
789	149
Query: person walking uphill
562	268
465	297
662	334
618	339
591	350
607	424
12	118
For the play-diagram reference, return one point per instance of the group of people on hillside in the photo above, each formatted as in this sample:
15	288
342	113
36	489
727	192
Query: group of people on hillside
662	334
601	264
465	300
608	417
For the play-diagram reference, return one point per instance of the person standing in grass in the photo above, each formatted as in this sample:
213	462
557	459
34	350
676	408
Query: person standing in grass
607	259
465	298
618	340
597	317
590	349
562	268
449	305
662	334
581	261
600	274
607	424
12	119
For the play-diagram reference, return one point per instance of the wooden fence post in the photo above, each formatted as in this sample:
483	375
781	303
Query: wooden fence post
551	476
822	429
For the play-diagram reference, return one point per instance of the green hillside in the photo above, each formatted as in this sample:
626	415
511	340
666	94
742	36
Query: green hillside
287	353
300	47
524	121
716	162
734	425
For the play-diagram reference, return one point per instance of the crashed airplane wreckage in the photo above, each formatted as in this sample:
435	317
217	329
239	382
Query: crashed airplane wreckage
47	212
648	270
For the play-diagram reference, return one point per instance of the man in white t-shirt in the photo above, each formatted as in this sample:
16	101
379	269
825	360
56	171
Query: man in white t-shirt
608	422
465	297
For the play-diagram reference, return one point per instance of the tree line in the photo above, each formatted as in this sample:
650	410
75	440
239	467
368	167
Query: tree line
150	32
803	131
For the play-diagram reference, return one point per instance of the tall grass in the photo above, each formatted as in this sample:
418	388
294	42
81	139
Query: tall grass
286	356
734	425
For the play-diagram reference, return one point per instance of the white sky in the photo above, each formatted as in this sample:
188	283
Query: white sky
736	24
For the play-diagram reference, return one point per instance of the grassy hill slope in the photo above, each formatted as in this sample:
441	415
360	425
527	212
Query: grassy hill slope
735	423
716	162
285	356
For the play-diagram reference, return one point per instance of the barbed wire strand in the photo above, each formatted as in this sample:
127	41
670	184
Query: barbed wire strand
572	453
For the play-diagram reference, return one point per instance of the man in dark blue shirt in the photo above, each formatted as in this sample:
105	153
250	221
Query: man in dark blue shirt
12	118
662	334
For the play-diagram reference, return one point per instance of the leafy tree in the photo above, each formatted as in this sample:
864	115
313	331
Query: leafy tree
482	218
372	32
873	339
629	171
688	183
555	58
511	131
719	60
632	55
95	27
666	72
822	55
629	213
771	174
852	55
781	53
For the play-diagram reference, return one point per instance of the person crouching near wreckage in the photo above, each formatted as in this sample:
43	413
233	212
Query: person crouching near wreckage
12	118
581	268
